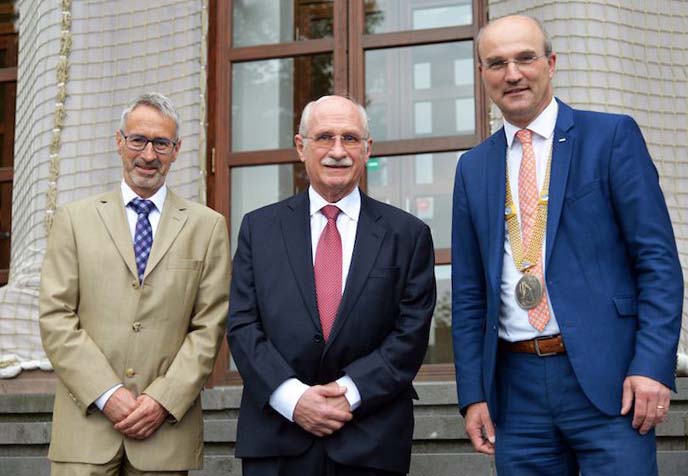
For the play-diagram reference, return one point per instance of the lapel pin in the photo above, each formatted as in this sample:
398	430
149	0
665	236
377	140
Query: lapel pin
563	139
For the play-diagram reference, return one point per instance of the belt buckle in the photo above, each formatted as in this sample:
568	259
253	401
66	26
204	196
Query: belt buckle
536	342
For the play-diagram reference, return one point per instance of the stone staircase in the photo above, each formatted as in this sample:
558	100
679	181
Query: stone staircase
440	446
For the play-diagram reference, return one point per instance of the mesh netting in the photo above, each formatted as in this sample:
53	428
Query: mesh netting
627	57
100	54
620	56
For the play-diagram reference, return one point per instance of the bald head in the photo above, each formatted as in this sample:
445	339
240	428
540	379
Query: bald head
520	22
337	101
517	66
334	145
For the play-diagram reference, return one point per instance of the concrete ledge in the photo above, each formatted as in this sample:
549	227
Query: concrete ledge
441	447
31	466
670	464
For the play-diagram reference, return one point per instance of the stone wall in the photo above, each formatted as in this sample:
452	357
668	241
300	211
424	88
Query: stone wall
441	447
626	56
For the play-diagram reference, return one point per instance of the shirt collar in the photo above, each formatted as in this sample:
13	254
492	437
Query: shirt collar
158	198
350	205
542	125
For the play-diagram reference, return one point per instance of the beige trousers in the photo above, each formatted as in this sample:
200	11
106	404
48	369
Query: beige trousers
118	466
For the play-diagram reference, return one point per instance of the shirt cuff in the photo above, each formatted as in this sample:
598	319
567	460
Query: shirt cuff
286	396
352	394
102	400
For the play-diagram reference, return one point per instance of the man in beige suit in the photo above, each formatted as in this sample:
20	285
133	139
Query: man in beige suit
133	301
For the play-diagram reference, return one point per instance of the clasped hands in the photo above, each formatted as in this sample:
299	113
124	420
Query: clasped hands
322	409
134	417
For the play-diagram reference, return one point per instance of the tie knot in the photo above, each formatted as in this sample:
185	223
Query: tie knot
330	212
142	207
525	136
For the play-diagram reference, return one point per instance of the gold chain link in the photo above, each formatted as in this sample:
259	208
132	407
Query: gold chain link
525	261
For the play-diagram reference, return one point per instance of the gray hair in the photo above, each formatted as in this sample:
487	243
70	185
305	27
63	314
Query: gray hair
157	101
306	114
540	25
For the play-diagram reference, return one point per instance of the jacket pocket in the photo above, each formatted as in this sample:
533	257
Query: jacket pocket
585	190
184	264
626	306
384	272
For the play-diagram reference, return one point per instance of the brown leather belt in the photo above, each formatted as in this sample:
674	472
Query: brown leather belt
541	346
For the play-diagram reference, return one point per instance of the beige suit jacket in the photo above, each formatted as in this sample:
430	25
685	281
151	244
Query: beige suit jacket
100	327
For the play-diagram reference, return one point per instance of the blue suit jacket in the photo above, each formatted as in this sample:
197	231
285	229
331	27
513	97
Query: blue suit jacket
378	339
611	265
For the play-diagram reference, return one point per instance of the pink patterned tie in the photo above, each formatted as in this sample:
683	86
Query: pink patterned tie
328	270
538	317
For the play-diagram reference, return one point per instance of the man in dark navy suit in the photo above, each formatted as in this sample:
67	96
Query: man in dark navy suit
331	300
567	288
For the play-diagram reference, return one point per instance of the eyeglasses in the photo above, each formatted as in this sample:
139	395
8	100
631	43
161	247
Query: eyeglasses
327	141
137	143
520	62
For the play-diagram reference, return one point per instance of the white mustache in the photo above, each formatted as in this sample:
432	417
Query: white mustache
332	162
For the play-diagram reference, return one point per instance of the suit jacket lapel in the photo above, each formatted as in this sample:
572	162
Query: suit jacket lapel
562	151
111	212
369	236
296	231
172	221
495	183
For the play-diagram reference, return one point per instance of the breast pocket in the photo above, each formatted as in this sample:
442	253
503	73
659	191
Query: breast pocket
384	273
380	297
191	264
181	279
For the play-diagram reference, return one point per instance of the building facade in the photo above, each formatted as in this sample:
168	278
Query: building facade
240	71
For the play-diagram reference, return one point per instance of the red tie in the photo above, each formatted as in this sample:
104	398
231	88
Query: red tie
538	317
328	270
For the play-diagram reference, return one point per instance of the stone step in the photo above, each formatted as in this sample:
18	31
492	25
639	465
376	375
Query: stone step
441	447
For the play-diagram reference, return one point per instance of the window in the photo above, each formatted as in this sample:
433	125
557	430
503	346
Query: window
8	93
410	62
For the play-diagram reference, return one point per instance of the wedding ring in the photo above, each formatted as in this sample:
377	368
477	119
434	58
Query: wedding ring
660	407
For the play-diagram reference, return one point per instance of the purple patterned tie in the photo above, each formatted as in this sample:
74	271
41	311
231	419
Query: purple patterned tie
143	235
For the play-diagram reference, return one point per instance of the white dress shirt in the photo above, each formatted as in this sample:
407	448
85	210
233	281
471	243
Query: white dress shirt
158	200
513	321
287	395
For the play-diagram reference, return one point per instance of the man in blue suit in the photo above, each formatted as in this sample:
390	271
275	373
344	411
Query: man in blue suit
567	288
330	306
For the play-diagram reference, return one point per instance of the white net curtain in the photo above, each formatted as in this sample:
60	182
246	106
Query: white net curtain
80	63
627	56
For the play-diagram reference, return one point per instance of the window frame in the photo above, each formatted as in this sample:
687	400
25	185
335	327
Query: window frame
349	78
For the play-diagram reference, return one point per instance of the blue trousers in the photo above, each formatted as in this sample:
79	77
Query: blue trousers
547	426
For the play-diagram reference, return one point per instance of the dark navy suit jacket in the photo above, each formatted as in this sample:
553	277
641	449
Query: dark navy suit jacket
611	265
379	336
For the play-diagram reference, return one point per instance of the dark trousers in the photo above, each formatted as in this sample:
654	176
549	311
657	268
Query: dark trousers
314	462
548	427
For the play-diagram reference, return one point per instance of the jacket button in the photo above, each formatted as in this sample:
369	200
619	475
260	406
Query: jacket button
317	339
130	373
134	284
136	326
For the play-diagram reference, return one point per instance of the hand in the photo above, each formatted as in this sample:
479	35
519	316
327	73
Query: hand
313	414
144	420
478	421
120	404
652	401
340	402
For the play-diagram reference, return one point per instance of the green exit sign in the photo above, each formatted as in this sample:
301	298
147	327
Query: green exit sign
373	164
